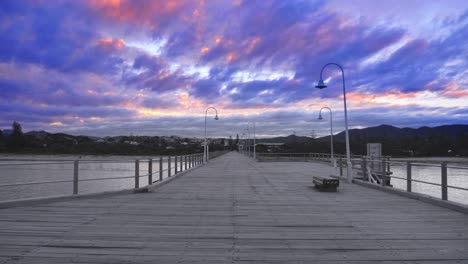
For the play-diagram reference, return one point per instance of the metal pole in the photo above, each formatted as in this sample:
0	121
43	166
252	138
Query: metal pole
175	165
255	144
249	140
408	176
185	161
169	166
331	141
150	172
341	167
160	168
75	177
205	148
348	150
444	180
137	174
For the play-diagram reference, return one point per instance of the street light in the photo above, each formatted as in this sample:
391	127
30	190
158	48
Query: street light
331	133
322	85
249	141
205	148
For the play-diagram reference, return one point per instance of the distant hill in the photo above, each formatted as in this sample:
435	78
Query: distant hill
287	140
449	140
394	133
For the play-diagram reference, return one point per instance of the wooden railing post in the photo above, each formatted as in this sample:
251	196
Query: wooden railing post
160	168
341	167
175	165
444	180
169	166
364	169
137	174
75	177
408	177
185	161
150	171
383	177
181	164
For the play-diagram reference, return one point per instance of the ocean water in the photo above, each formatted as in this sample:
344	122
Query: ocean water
44	168
38	168
429	170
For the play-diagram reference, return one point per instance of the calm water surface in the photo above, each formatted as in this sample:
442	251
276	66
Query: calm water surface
429	170
37	168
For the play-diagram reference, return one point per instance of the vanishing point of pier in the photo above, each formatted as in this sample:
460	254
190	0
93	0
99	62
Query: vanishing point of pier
236	210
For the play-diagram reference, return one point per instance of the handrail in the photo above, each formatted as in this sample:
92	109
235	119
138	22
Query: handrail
167	168
374	174
444	175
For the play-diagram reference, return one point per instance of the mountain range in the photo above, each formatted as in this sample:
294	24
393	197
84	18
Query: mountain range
440	140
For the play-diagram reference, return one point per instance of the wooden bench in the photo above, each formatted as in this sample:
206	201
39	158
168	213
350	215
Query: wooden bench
325	183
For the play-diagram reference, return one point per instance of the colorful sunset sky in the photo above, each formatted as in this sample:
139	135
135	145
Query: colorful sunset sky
121	67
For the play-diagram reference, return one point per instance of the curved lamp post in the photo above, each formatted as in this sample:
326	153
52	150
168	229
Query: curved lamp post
205	149
332	158
322	85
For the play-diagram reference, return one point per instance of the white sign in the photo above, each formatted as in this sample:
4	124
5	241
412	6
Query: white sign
374	150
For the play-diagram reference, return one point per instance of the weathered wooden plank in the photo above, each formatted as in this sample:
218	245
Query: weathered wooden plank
236	211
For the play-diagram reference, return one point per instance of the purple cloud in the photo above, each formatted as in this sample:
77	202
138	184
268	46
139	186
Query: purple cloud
67	57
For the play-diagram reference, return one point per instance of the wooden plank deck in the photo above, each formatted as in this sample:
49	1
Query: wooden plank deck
234	210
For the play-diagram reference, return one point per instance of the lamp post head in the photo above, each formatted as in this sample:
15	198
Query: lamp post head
216	117
320	116
320	84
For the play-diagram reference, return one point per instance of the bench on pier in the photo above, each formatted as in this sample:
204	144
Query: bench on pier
325	183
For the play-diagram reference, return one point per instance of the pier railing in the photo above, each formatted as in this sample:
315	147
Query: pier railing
99	175
440	180
308	156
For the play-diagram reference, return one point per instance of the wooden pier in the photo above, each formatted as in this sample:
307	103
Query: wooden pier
234	210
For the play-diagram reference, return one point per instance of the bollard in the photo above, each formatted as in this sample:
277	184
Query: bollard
160	168
75	177
408	176
150	171
137	174
444	180
169	166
